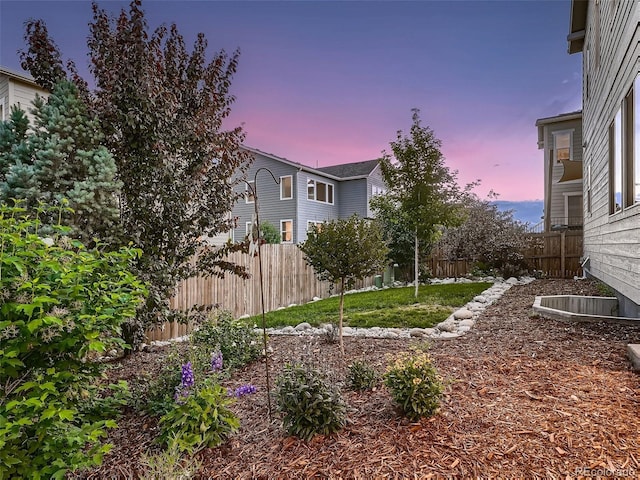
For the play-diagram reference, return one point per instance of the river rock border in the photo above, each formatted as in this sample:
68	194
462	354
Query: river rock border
457	324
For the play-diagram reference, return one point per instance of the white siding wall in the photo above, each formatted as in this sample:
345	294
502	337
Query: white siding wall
612	242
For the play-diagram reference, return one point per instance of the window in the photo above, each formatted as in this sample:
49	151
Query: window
319	191
624	152
2	119
286	231
249	192
311	224
615	164
311	189
248	227
562	145
376	190
286	187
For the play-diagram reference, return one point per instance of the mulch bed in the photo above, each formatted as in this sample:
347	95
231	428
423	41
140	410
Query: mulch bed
527	397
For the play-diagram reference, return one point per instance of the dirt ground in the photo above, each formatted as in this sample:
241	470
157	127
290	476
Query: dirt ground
527	397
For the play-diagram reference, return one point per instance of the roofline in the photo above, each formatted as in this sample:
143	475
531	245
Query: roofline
577	26
303	167
20	76
563	117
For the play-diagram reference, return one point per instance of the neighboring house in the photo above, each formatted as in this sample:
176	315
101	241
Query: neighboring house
608	35
17	89
305	196
561	139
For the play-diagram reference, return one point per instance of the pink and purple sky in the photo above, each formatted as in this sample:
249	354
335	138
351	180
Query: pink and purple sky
327	82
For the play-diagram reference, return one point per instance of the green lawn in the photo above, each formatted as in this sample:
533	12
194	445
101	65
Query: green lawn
392	307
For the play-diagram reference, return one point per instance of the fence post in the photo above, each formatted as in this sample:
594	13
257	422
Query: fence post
563	244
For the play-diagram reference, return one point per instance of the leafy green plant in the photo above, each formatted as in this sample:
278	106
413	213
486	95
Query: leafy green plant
170	463
309	404
237	341
60	304
414	384
361	376
201	419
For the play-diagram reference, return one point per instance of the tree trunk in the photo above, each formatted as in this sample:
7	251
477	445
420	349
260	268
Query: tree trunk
341	315
415	260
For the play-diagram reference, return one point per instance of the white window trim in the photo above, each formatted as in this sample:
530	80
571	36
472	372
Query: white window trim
315	191
282	230
247	190
4	109
247	228
281	178
555	150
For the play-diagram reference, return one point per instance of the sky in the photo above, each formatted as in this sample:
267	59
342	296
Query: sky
329	82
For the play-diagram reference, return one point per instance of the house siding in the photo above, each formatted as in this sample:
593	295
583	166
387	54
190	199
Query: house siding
560	190
350	194
14	91
610	241
353	198
272	209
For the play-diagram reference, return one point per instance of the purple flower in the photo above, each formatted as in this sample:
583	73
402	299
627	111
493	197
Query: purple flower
247	389
188	379
216	361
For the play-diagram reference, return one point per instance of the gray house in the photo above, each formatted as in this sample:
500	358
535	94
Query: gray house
305	196
608	35
561	139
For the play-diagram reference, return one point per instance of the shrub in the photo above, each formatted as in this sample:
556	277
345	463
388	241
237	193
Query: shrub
309	403
60	305
238	342
414	384
361	376
201	419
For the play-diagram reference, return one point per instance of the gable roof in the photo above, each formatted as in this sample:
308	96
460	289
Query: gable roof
347	170
23	77
563	117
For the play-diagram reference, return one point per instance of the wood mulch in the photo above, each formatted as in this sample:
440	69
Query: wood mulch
527	397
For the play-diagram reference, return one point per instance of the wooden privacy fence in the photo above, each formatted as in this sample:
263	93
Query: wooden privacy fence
554	254
287	280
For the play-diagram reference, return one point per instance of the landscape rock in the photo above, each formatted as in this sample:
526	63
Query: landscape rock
417	332
462	314
449	335
446	326
467	323
480	299
302	326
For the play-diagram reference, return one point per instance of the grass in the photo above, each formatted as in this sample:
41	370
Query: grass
389	308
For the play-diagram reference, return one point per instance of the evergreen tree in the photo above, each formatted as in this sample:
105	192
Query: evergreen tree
17	180
61	158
